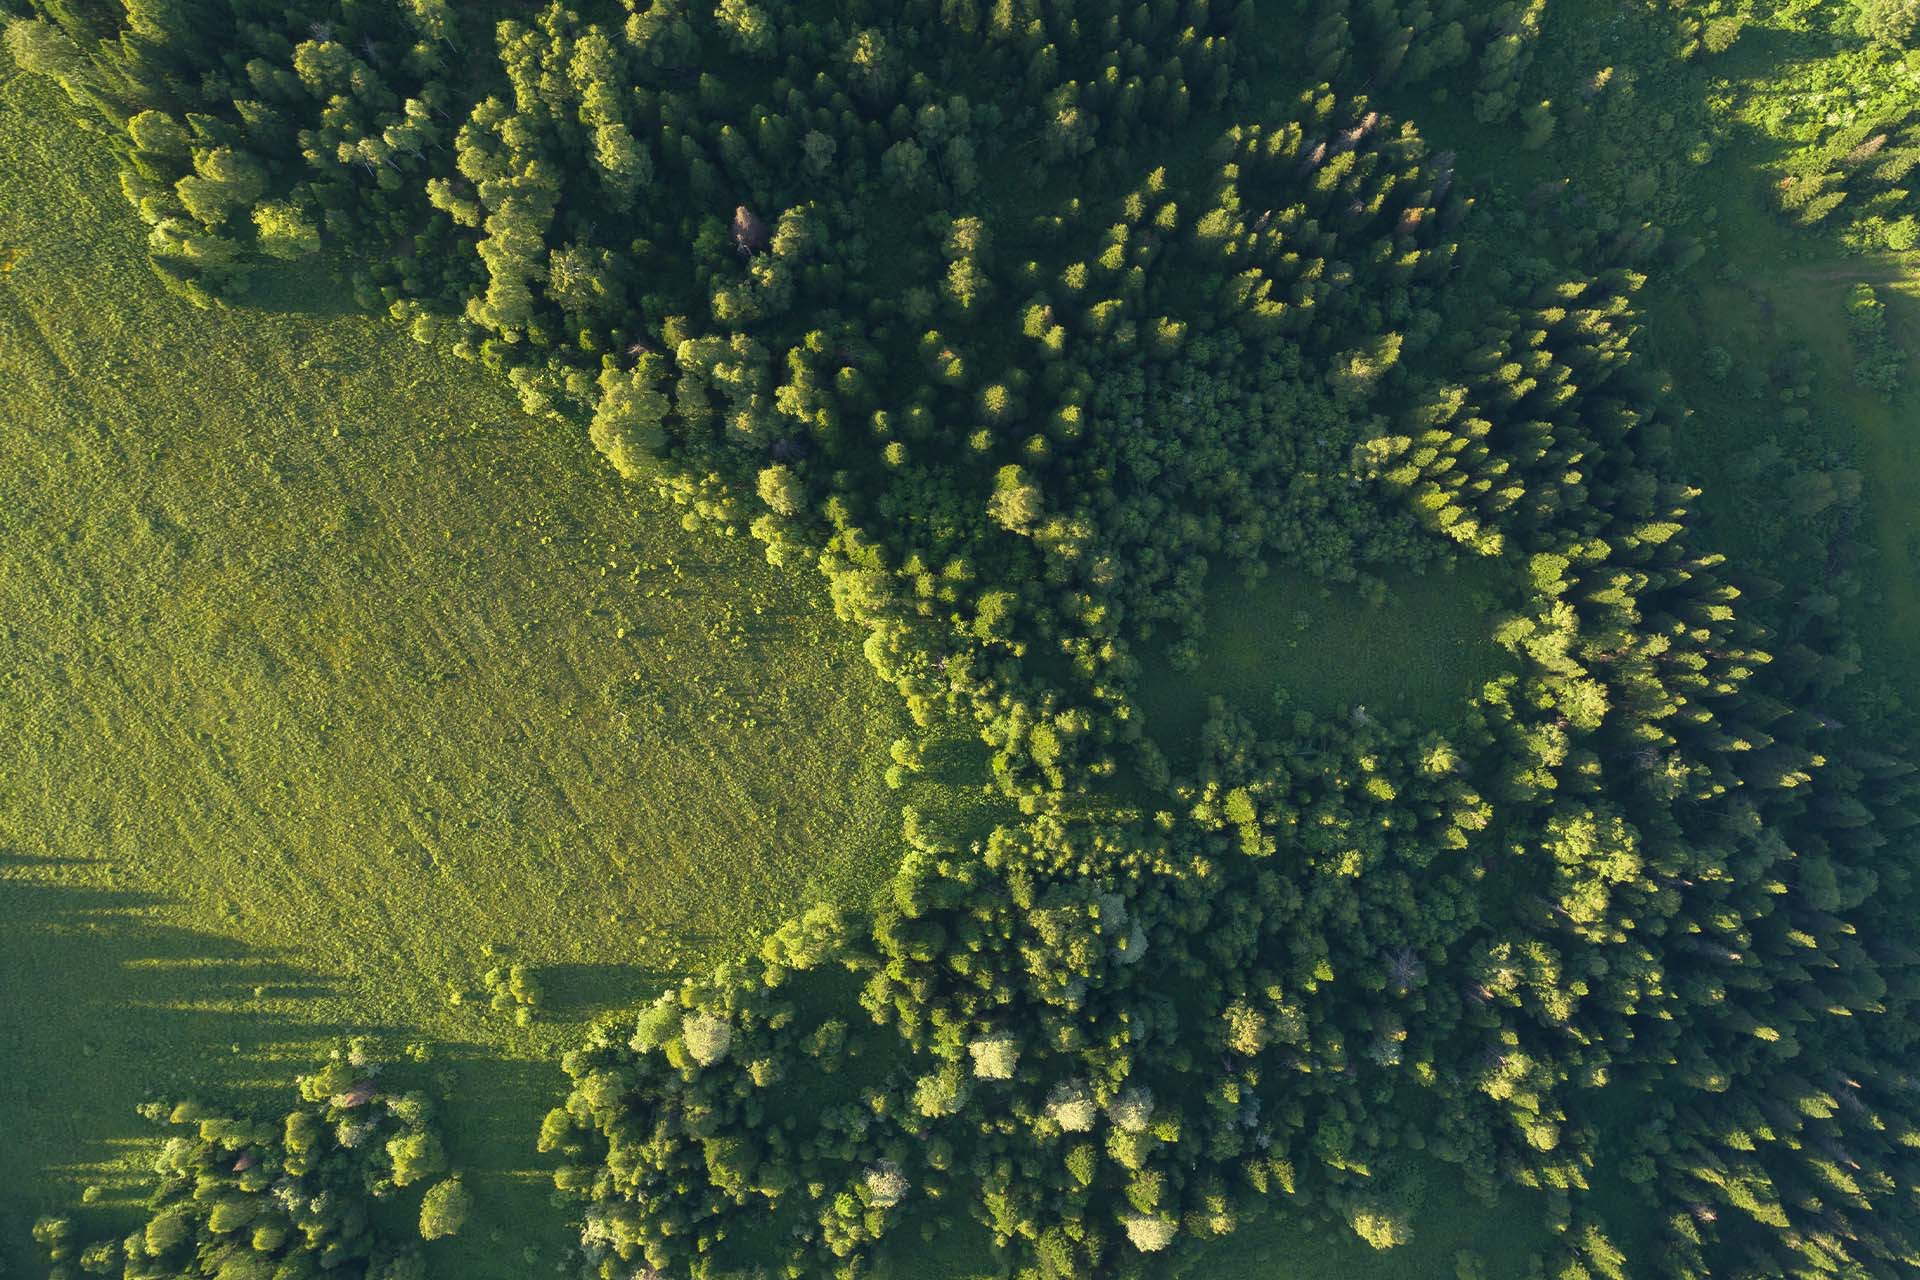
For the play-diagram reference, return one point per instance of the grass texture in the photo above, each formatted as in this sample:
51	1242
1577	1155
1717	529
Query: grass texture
324	671
1291	643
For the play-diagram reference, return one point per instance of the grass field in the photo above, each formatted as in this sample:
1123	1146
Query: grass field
325	669
1804	309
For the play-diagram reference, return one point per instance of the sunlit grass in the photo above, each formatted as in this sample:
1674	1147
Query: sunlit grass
324	671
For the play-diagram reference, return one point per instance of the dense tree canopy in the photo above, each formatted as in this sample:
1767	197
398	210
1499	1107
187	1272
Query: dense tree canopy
1023	322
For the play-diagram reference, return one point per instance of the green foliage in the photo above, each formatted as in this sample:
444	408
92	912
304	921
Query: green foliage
1878	362
1888	22
444	1209
39	47
239	1197
1851	120
415	1156
1191	327
511	988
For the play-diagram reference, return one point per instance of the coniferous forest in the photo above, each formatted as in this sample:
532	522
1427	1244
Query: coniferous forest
1290	626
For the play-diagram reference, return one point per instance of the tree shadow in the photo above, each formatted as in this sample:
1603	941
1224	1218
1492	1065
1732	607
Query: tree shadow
490	1114
577	992
108	1007
307	287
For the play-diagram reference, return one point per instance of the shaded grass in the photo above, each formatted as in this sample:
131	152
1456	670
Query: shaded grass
1805	310
1293	643
1275	1244
1776	295
325	671
1282	1246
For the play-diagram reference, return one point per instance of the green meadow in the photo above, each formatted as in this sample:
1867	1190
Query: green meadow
1289	643
328	680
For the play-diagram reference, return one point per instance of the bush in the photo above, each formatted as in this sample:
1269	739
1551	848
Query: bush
444	1209
1721	33
1878	362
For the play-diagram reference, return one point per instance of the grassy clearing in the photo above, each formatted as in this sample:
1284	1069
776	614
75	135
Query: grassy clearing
1284	1247
1293	643
1778	294
325	669
1805	309
1696	150
1276	1245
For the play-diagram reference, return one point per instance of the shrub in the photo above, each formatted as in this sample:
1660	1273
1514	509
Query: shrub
444	1209
1878	362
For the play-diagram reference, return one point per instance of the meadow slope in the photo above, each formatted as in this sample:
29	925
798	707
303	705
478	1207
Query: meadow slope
326	670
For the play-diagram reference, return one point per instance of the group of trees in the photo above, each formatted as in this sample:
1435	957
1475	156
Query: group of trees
1020	320
1859	177
285	1197
1878	361
1645	862
1850	172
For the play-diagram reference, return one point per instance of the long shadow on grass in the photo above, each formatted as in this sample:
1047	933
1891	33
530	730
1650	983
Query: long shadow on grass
306	288
107	1006
490	1117
582	991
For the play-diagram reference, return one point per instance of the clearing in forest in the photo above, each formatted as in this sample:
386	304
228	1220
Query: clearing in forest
1293	643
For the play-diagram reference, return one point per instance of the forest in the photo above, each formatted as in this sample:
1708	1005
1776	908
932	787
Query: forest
1040	638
